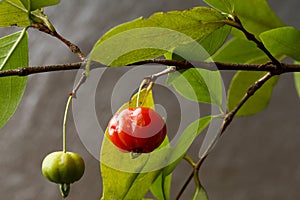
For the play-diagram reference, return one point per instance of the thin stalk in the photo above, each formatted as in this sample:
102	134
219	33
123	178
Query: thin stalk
65	122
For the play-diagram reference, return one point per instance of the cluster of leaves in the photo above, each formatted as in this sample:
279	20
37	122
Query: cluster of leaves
14	49
164	34
209	28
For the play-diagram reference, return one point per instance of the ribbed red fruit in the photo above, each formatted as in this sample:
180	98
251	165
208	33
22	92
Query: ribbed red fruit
138	130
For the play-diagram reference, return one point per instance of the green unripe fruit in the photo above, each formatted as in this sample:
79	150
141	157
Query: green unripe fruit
63	168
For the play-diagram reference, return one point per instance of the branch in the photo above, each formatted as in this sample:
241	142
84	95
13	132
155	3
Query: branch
227	120
25	71
74	48
236	23
180	65
250	92
275	67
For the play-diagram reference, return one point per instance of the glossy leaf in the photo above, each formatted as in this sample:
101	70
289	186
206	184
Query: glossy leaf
226	6
13	54
178	151
200	194
135	176
256	16
198	85
215	40
13	13
161	187
283	41
123	176
148	38
209	45
17	12
123	185
239	50
144	98
36	4
239	86
297	82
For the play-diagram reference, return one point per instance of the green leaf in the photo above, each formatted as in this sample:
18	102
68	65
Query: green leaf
127	178
13	12
200	194
124	177
148	38
215	40
13	54
123	185
186	139
239	86
18	12
198	85
161	187
239	50
256	16
282	41
297	82
226	6
144	98
36	4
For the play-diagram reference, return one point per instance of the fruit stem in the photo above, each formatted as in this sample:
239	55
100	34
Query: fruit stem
64	189
64	124
140	88
134	155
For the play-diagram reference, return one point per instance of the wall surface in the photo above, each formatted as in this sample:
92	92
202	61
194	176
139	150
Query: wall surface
257	158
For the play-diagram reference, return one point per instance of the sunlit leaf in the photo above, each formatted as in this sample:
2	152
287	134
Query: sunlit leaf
17	12
200	194
36	4
13	54
186	139
161	187
297	82
282	41
215	40
127	178
239	86
146	38
123	177
13	13
256	16
144	98
198	85
239	50
226	6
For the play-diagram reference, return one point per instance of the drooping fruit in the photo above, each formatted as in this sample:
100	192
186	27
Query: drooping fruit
137	130
63	168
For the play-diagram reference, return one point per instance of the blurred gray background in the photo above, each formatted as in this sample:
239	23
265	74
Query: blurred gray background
257	158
